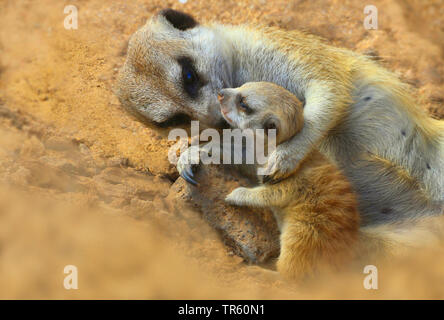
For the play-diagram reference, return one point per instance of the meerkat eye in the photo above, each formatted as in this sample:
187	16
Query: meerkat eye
243	106
190	78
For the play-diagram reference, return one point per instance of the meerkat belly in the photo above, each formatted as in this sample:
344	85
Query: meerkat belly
388	174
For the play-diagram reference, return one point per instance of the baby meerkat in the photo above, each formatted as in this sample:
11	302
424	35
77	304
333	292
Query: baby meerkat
315	207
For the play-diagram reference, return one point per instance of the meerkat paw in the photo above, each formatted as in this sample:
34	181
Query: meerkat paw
237	196
186	162
278	167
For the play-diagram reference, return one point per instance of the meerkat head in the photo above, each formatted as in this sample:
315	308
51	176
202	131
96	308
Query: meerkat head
175	67
262	105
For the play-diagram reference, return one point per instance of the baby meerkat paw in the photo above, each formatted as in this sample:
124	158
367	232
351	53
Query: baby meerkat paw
279	166
237	196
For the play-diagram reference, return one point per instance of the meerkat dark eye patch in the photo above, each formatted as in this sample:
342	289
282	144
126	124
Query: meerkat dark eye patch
190	78
243	106
178	19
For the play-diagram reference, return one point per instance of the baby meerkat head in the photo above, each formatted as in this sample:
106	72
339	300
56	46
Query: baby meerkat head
262	105
175	67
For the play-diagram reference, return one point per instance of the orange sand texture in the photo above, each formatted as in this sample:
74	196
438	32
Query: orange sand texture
84	184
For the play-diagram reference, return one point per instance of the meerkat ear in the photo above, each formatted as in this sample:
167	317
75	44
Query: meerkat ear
272	123
178	19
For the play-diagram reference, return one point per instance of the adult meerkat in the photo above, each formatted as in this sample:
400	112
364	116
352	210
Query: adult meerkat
315	207
359	115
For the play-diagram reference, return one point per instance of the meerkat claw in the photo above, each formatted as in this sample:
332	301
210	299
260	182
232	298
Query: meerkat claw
187	175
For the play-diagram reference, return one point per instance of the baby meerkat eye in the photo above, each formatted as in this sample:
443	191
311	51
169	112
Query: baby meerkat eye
243	106
190	79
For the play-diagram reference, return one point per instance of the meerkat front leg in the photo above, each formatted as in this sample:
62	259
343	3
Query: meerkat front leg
325	105
262	196
241	197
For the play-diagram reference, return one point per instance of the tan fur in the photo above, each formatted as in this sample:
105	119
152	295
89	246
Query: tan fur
357	114
315	207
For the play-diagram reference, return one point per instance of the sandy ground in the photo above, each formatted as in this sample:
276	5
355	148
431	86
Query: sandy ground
84	184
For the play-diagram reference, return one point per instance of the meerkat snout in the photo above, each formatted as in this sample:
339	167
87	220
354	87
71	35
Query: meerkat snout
220	96
225	94
228	105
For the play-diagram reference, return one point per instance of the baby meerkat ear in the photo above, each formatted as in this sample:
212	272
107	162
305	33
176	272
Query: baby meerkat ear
178	19
272	123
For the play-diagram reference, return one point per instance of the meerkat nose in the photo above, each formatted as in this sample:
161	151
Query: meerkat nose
223	95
